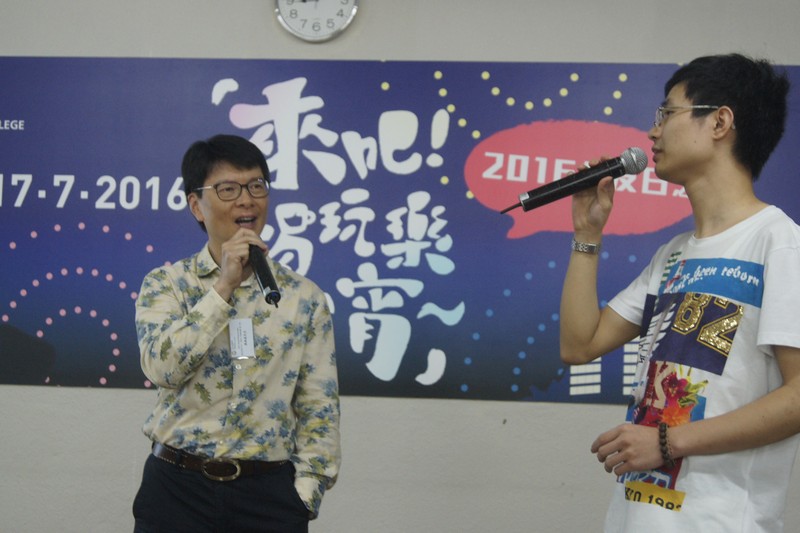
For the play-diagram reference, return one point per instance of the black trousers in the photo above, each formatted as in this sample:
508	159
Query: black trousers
174	500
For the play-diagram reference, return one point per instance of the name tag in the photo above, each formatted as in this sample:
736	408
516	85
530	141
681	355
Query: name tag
241	332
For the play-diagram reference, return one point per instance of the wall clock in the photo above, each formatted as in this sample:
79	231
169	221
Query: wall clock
315	20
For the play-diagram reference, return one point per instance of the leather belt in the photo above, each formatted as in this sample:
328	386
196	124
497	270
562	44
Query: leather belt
219	469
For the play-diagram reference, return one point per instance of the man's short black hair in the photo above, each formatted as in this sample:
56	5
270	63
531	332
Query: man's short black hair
202	157
752	88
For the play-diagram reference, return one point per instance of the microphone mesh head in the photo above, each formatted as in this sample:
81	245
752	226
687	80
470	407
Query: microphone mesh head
634	160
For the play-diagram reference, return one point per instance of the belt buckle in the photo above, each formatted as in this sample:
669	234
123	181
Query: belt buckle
212	477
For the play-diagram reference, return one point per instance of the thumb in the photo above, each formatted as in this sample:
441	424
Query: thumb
606	189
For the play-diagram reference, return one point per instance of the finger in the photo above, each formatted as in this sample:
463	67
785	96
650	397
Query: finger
606	184
608	463
603	439
596	445
614	462
605	451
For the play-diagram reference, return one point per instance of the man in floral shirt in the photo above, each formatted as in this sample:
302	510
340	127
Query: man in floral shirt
246	427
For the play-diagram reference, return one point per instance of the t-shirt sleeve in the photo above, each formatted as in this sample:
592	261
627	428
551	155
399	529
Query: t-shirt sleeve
779	324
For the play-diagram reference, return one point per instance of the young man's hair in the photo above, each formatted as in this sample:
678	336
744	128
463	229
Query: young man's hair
202	158
755	92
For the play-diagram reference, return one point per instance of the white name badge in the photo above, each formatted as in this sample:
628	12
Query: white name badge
241	331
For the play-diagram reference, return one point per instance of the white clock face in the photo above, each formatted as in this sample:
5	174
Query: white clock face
315	20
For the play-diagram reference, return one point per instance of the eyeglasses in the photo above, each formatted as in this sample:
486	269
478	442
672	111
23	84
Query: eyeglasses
228	191
665	111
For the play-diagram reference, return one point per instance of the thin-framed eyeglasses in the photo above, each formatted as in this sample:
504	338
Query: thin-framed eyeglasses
228	191
665	111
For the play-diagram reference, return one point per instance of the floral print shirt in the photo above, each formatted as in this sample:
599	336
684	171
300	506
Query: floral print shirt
281	404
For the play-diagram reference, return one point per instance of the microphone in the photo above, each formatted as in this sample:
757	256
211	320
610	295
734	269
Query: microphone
266	281
632	161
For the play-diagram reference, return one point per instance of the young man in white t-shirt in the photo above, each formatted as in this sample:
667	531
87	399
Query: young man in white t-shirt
711	434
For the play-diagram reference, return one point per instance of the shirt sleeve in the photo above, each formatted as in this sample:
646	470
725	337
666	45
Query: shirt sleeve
176	327
629	303
778	324
316	405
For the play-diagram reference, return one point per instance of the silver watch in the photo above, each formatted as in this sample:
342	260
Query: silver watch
586	247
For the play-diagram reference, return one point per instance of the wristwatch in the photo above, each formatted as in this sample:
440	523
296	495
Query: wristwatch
586	247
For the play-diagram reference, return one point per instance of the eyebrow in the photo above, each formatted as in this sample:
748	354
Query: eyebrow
232	180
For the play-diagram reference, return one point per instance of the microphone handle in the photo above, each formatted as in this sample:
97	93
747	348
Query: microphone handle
266	281
569	185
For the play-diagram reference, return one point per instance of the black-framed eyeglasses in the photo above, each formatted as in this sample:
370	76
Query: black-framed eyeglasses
665	111
228	191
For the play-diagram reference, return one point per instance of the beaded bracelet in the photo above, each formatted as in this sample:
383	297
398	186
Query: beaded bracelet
666	449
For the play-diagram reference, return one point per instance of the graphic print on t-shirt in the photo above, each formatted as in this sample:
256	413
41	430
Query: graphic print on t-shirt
701	332
702	299
690	325
742	281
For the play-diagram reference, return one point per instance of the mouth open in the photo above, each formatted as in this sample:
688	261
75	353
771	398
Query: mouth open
246	222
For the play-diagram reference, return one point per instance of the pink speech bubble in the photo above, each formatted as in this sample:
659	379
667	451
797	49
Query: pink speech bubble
525	157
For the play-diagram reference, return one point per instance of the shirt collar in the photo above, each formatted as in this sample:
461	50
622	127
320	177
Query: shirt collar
205	263
206	266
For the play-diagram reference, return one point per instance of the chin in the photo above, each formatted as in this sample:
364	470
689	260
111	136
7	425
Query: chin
660	172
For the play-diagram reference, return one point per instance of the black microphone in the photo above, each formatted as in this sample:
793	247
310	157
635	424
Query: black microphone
266	281
632	161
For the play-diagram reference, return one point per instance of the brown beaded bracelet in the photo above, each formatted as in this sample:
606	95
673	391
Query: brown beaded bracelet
663	443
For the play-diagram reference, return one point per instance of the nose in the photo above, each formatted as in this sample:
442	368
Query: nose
653	132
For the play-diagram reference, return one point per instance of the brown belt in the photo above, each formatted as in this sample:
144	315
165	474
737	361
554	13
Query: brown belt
220	469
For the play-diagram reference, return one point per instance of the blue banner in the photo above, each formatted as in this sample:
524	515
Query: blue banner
388	182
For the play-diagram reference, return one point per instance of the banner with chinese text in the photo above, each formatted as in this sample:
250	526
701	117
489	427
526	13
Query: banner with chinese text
388	182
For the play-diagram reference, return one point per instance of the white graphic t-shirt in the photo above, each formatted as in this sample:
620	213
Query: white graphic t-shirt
711	310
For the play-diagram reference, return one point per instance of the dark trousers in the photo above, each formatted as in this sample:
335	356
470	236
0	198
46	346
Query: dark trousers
174	500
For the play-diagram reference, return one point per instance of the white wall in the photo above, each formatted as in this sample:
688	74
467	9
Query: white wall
71	459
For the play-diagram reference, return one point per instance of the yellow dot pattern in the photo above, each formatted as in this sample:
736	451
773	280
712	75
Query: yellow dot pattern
511	101
527	102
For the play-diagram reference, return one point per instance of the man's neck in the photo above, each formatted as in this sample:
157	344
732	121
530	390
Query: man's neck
722	199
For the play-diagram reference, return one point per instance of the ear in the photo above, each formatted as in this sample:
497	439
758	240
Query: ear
194	207
725	123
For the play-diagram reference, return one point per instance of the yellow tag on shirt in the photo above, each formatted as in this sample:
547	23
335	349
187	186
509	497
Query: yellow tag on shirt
241	332
638	491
